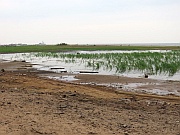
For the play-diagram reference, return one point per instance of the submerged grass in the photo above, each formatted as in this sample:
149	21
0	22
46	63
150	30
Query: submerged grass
148	62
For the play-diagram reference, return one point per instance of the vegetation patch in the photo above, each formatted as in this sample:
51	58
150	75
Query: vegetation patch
148	62
64	47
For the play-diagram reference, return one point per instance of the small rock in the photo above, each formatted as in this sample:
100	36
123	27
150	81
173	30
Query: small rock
81	116
63	106
37	102
125	100
63	96
84	100
92	133
126	133
2	104
133	98
73	94
59	112
9	103
124	126
146	75
2	70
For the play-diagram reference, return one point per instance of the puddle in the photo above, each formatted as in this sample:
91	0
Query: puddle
135	87
67	78
162	92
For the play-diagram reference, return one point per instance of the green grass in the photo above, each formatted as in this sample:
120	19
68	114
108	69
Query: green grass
149	62
55	48
155	63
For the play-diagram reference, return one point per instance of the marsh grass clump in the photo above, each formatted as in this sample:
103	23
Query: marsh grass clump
150	62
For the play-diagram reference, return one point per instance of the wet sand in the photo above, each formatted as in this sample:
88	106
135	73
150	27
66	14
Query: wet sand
35	105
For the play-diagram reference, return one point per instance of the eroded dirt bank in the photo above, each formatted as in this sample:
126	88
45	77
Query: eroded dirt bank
33	105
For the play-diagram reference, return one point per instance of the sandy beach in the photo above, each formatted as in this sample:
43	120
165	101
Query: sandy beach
34	105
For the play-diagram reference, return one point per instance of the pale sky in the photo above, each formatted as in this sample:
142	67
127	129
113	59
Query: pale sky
89	21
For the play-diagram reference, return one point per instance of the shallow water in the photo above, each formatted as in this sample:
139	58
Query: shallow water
59	65
135	87
52	64
67	78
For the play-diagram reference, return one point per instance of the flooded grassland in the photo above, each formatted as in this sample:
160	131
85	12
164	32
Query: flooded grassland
163	66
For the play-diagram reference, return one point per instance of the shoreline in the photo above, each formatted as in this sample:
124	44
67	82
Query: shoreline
118	83
31	104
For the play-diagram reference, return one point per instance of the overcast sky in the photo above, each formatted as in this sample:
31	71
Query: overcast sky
89	21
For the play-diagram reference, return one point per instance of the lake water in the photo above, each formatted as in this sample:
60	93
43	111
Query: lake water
60	65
